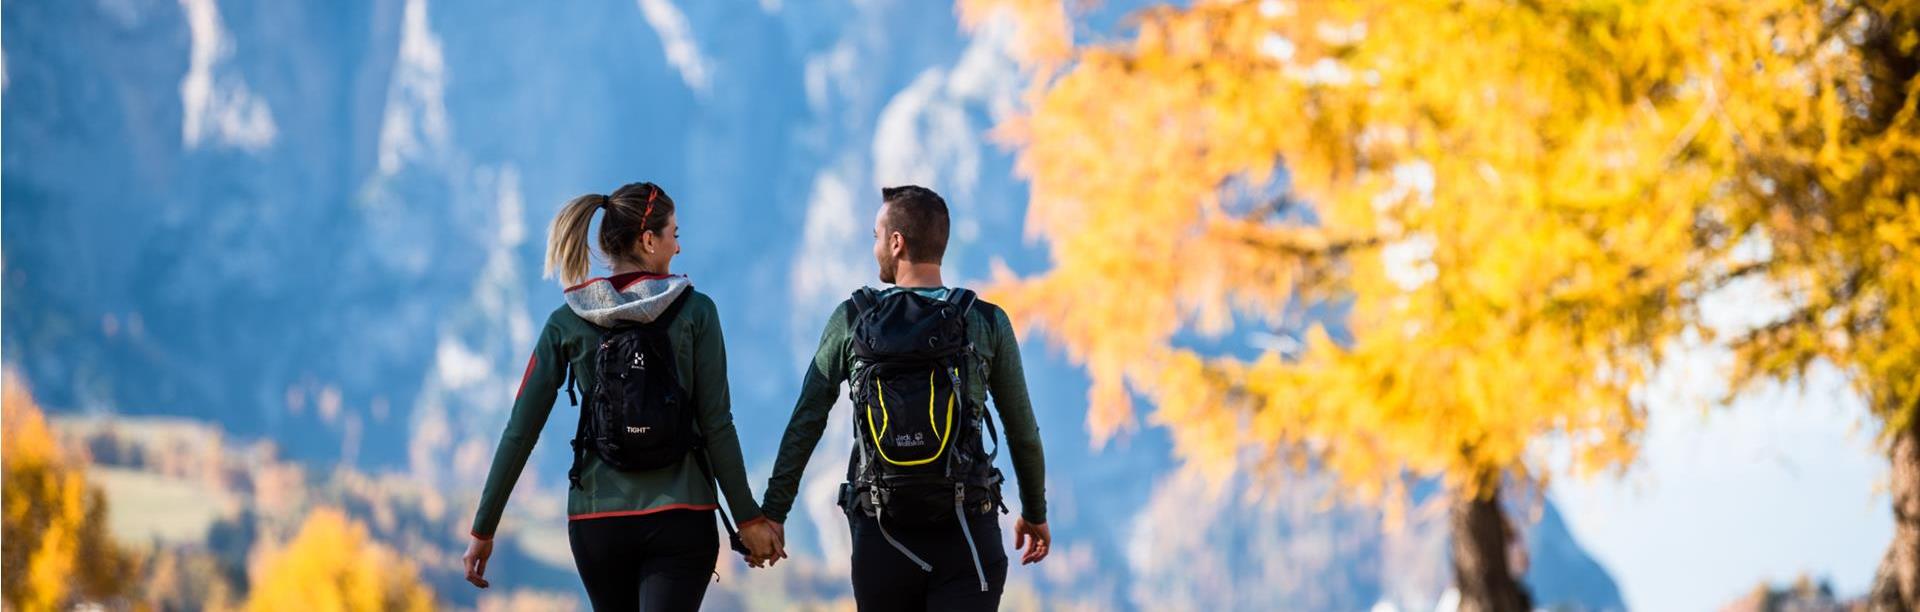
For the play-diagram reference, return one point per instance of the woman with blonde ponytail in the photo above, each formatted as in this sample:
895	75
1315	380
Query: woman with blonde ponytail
567	238
650	444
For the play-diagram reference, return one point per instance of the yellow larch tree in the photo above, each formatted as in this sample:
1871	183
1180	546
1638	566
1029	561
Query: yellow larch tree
1828	190
332	565
1502	201
54	546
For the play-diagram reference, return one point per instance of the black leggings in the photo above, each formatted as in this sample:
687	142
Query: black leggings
657	562
885	580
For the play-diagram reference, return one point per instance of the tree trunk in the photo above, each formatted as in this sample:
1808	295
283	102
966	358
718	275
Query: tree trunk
1896	587
1481	539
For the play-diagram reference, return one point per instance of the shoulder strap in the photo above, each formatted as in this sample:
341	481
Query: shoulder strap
673	310
993	433
580	432
863	300
964	298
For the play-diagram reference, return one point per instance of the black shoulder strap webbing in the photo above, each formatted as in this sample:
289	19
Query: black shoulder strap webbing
673	310
580	433
963	298
863	300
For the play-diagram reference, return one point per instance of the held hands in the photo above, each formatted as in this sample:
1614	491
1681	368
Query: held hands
1041	537
476	561
766	543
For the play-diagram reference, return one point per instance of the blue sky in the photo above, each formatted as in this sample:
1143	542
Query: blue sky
1785	480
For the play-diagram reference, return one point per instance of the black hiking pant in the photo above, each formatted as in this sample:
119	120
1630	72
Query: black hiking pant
885	580
659	562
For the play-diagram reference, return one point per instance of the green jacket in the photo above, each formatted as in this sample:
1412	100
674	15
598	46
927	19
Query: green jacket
569	339
992	336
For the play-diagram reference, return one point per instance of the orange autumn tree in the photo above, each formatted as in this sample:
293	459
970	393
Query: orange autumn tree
333	566
1502	200
57	551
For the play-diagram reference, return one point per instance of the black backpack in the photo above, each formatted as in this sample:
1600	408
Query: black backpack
922	458
638	418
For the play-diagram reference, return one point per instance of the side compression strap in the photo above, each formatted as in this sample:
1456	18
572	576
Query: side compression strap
959	500
924	566
980	412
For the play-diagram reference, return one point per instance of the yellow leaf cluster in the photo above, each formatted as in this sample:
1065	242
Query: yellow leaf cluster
1830	184
332	566
1504	201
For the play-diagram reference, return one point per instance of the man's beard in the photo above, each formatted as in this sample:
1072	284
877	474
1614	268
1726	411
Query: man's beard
887	269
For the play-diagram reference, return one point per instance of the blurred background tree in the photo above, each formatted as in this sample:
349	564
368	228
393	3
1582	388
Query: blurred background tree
1827	188
1510	208
57	551
331	565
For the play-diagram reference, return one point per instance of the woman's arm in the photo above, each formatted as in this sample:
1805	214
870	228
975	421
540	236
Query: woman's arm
546	371
715	404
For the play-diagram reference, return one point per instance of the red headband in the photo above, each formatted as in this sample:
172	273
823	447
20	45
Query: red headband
643	216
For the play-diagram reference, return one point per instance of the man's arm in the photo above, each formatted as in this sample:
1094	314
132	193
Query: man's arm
1007	381
818	391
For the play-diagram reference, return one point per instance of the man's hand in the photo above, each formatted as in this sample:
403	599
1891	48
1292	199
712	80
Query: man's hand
476	561
780	539
1041	537
765	546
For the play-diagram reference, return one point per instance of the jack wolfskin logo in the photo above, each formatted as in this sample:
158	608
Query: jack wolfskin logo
639	361
632	429
903	440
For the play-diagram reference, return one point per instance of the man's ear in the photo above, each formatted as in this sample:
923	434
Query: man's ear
897	245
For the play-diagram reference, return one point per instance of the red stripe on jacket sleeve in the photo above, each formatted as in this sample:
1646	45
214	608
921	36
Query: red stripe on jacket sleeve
531	360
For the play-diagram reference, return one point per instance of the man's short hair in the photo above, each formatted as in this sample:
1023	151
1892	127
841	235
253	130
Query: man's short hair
920	215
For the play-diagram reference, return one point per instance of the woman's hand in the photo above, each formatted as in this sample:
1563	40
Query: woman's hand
476	561
765	546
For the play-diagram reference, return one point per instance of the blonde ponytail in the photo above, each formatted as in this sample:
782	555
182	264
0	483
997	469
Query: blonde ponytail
567	246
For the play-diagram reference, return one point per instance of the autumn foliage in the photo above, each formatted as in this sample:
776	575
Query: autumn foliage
58	552
1509	211
54	545
332	565
1499	200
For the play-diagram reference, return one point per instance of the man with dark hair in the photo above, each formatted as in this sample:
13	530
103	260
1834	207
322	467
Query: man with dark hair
911	550
919	216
